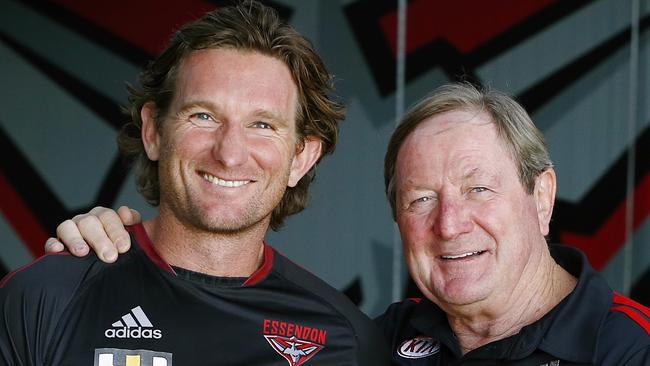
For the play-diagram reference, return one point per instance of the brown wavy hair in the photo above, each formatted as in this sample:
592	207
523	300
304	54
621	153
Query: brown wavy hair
248	26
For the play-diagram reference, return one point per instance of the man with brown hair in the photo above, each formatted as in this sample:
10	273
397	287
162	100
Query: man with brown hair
227	125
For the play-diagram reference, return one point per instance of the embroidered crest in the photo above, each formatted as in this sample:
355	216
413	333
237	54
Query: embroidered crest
297	343
294	350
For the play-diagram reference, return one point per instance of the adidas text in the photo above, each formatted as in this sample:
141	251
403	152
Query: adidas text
133	333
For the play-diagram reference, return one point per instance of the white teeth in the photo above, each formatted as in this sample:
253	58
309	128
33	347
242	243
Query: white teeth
224	183
460	255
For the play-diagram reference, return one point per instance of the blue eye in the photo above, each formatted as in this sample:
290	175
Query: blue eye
421	203
201	119
202	116
478	189
262	125
421	200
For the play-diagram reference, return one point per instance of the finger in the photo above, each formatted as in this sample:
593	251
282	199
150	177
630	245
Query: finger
129	216
69	235
53	245
114	228
95	235
137	218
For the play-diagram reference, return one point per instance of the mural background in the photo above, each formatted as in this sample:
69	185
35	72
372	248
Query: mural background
579	67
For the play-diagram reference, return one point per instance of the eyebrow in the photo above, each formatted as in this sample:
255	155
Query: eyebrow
201	104
471	174
266	114
476	172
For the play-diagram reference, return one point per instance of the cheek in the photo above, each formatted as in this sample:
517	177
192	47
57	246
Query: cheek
189	143
270	152
522	214
496	218
420	264
416	235
508	225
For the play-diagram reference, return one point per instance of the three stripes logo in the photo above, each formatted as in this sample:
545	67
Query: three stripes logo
135	324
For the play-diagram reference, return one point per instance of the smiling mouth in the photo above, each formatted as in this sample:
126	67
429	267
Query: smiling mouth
462	255
224	183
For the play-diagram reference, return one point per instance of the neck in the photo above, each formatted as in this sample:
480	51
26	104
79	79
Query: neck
477	325
231	254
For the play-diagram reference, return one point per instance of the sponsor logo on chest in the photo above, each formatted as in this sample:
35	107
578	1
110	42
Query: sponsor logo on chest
418	347
127	357
133	325
295	342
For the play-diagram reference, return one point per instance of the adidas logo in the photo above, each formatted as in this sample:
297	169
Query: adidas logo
135	324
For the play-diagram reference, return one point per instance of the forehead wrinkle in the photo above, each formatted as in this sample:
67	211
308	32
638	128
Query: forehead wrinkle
192	85
199	103
478	173
451	123
413	180
472	173
412	184
428	133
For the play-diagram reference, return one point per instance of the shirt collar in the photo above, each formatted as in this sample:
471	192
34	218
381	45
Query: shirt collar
429	319
572	331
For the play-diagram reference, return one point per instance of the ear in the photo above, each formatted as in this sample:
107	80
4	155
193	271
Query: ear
545	185
304	160
149	131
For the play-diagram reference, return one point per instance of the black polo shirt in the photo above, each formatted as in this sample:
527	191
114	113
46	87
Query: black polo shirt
592	326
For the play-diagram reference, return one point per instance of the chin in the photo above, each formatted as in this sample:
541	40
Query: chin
227	224
462	293
462	299
214	221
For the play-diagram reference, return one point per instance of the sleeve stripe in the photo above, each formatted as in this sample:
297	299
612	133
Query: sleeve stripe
638	318
622	300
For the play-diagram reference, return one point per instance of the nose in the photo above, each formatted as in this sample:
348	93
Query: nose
452	219
230	146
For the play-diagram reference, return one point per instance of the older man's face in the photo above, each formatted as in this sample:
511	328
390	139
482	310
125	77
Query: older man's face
471	233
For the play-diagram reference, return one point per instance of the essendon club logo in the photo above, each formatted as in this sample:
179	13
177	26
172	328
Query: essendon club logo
296	343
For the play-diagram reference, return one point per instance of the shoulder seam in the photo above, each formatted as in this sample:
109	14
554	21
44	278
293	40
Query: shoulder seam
324	300
11	274
81	287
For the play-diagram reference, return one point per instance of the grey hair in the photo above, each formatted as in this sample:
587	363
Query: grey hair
514	127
